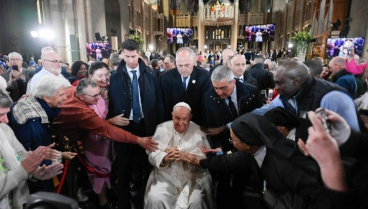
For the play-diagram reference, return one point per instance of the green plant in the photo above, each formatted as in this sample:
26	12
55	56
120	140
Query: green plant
301	40
139	40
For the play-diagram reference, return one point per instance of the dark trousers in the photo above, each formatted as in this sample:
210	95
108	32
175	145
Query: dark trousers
133	169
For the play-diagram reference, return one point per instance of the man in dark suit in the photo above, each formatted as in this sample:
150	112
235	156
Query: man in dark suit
186	83
135	94
238	66
17	78
272	55
228	99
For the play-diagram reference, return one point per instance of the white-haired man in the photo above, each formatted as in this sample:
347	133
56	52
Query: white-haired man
51	65
174	183
17	77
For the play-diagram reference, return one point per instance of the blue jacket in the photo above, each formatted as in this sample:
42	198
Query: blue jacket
346	80
33	133
120	98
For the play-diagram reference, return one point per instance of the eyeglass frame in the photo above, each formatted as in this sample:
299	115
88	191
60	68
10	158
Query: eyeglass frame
94	96
55	61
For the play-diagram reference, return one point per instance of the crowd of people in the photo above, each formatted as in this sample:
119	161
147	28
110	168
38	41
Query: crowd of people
190	130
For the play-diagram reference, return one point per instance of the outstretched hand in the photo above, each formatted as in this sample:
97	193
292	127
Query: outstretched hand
47	172
147	143
51	154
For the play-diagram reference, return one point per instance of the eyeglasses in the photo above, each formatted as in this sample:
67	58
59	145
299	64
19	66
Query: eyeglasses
15	59
55	61
94	96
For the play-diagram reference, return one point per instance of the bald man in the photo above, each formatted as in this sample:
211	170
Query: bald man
300	93
239	68
174	183
51	65
341	77
187	83
226	54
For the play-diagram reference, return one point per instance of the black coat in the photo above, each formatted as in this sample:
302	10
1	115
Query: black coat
218	112
263	77
121	99
173	92
249	79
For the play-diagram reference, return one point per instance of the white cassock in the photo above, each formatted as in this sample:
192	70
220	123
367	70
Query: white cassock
178	185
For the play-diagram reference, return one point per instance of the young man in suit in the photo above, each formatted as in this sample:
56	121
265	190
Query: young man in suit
135	94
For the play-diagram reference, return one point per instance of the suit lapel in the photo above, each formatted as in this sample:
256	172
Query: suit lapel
192	81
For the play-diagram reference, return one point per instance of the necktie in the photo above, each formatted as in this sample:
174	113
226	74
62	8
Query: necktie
233	110
136	106
241	80
185	83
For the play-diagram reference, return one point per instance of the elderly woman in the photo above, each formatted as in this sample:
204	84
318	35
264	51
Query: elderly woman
79	71
17	165
98	150
31	118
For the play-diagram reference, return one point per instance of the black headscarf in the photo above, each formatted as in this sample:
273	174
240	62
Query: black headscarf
256	130
281	117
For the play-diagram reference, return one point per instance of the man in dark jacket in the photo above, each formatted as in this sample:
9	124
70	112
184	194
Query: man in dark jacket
263	76
238	66
341	77
134	92
186	83
228	99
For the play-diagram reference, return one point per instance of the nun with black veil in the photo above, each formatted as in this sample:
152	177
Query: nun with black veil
287	179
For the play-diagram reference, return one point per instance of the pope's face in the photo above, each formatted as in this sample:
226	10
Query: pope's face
181	118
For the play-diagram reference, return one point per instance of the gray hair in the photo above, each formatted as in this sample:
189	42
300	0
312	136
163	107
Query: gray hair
258	60
46	48
191	52
15	55
83	85
172	58
5	100
48	85
222	72
338	60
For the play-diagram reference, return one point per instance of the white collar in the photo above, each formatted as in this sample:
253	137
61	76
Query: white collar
260	155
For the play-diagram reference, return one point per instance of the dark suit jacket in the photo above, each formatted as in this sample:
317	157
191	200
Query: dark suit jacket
18	87
218	112
121	97
173	92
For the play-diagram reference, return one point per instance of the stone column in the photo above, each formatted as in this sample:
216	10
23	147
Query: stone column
81	29
124	17
235	27
201	26
101	13
69	29
57	26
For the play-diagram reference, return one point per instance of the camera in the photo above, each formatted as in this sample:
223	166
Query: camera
324	119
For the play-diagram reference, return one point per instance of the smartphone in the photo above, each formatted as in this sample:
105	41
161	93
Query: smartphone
324	119
15	67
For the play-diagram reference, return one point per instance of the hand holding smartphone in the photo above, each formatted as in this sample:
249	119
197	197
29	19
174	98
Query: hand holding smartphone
15	67
322	116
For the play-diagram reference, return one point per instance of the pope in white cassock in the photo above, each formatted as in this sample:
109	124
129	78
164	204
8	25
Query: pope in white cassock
174	184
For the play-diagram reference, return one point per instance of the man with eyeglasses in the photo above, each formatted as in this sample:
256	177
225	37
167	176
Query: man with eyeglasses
187	83
77	117
17	77
51	65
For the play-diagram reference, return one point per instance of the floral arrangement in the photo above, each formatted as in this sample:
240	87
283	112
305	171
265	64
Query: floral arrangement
139	40
301	40
302	36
